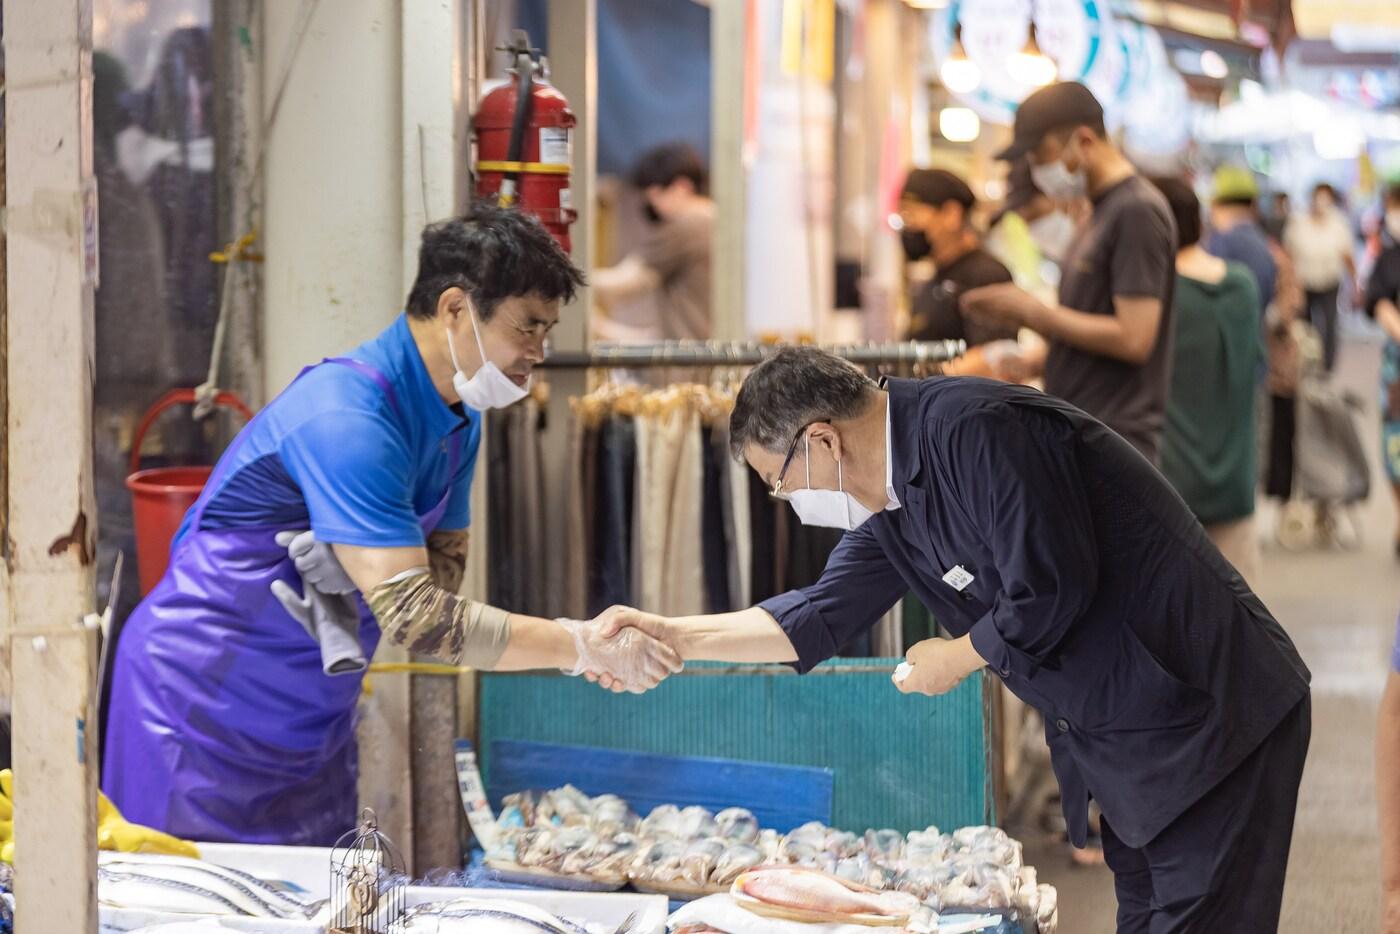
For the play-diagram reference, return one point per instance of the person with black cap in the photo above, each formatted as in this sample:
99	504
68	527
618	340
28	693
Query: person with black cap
1110	332
936	211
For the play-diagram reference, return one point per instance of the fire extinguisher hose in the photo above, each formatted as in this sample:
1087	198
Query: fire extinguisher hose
524	99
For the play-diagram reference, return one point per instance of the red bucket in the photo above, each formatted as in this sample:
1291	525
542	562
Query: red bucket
161	496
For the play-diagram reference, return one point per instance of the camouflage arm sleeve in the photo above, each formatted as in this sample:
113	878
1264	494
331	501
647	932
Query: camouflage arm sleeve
416	613
447	556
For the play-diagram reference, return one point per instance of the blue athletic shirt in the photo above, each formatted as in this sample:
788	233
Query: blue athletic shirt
336	454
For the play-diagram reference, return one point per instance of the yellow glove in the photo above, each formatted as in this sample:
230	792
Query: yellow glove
7	816
113	830
115	833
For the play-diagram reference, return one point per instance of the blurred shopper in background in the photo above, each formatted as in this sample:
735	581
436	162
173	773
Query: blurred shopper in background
1277	218
1236	233
673	260
1110	331
1321	245
1383	304
1208	446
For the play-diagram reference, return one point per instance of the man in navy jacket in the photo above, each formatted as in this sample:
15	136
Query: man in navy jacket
1056	555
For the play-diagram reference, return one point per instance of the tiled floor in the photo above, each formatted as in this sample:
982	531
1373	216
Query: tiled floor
1340	608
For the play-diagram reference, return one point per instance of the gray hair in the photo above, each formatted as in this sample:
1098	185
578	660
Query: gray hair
791	389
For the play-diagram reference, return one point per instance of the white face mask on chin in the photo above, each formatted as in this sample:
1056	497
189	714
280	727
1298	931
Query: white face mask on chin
1052	233
1058	183
831	509
488	387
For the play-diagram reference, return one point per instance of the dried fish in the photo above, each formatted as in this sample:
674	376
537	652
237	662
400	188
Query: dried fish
887	845
664	821
737	824
659	862
737	859
696	823
700	859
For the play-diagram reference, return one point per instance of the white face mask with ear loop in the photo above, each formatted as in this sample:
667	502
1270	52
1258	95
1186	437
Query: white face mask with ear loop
831	509
488	387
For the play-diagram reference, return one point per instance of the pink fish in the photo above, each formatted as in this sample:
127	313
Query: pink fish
808	890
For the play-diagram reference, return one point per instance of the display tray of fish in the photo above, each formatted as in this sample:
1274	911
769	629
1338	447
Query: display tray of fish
179	885
794	894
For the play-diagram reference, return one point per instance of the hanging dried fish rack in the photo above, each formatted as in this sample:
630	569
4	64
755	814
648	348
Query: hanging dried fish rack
369	880
743	353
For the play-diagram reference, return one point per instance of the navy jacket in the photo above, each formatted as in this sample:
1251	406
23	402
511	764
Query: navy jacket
1095	595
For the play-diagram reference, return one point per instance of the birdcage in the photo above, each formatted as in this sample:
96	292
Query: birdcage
368	881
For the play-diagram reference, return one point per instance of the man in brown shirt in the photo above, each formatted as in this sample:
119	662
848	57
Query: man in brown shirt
673	260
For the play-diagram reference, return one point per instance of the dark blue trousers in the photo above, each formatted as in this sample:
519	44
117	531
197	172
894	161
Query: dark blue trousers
1219	867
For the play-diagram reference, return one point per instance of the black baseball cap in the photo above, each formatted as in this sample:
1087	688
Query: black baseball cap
1053	107
936	187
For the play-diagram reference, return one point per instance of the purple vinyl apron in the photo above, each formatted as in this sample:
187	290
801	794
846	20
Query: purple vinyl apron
222	726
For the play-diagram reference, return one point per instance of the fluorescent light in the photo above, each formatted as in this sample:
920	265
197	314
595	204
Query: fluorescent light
959	124
1213	65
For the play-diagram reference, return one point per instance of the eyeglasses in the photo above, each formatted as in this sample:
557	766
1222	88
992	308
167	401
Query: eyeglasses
778	492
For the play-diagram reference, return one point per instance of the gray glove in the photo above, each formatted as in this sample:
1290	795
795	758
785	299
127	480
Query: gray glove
333	620
316	562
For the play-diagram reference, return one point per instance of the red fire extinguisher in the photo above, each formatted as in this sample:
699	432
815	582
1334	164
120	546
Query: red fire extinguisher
524	143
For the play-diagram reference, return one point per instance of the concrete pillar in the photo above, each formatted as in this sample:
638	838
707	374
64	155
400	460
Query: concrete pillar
50	521
361	155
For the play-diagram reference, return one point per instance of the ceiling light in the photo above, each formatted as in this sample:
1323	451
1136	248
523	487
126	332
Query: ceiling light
959	124
1213	65
959	73
1030	66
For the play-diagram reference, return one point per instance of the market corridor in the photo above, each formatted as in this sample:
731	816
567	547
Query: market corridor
1340	609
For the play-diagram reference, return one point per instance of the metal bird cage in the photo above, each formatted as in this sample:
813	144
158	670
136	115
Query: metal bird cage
368	881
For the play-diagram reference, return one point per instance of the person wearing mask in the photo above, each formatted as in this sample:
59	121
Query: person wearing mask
1383	305
1110	331
1236	234
1031	234
1208	446
1388	792
1277	220
673	260
935	209
1063	563
1321	245
337	515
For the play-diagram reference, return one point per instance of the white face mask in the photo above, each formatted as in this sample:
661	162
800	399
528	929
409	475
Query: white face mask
1392	223
1052	233
488	387
831	509
1058	182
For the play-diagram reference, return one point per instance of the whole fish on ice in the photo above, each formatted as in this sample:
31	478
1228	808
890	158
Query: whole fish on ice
806	890
483	916
190	886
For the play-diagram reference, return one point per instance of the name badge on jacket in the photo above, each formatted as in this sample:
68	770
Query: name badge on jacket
958	578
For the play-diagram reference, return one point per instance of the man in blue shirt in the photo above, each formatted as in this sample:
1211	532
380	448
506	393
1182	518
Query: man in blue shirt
1057	557
236	679
1235	230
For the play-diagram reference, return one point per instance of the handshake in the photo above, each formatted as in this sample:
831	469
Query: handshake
623	649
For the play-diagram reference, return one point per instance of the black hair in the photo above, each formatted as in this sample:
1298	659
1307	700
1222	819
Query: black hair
1392	193
1065	130
664	164
790	390
1243	201
491	253
1185	207
1324	186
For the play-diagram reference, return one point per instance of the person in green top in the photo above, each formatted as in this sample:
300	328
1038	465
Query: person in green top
1208	446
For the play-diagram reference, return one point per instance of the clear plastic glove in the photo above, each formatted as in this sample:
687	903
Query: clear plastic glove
634	661
316	562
